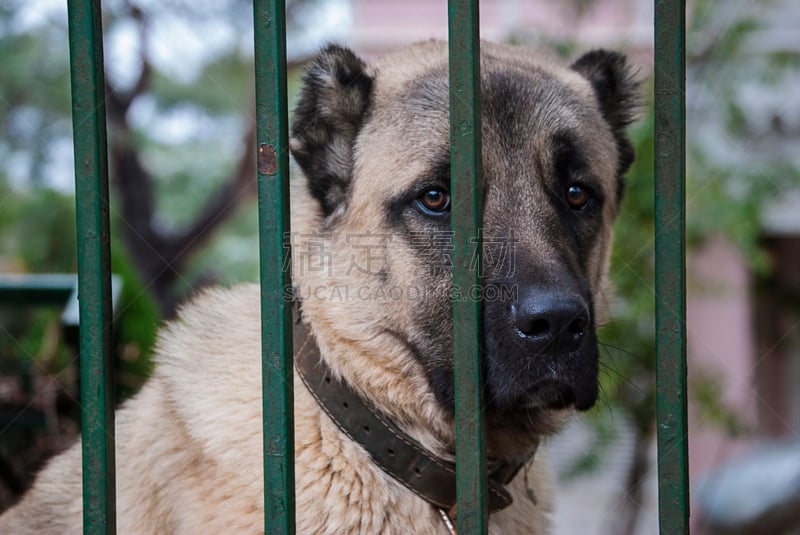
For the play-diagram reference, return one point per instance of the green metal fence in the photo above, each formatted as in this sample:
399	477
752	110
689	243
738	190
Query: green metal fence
670	219
94	264
276	312
91	178
465	189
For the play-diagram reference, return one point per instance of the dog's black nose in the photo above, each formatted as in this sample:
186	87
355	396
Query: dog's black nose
550	320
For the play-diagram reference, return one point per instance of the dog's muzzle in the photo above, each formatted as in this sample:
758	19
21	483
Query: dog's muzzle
541	349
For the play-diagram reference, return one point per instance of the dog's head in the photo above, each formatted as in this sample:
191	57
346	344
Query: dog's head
372	239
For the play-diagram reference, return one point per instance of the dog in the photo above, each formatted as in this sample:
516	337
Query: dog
372	280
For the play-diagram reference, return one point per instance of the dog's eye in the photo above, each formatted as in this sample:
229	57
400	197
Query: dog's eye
578	197
434	201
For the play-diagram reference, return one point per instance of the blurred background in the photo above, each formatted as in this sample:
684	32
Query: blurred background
181	145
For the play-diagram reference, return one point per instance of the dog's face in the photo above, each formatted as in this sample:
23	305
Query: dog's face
373	145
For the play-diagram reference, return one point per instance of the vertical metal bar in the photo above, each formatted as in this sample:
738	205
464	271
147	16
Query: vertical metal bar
276	306
466	182
670	204
94	272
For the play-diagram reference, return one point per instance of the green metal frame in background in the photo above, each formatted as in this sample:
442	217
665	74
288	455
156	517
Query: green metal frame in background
94	264
670	262
91	170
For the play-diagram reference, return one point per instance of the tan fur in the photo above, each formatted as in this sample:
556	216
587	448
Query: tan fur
372	360
189	444
188	449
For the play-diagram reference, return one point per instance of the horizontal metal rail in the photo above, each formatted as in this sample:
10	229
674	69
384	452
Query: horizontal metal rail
37	289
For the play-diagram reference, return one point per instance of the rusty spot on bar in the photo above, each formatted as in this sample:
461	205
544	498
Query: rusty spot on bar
267	160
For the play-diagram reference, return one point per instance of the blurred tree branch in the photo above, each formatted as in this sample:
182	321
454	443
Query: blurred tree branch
159	254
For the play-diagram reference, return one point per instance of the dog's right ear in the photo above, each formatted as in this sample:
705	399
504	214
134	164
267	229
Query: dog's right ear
333	102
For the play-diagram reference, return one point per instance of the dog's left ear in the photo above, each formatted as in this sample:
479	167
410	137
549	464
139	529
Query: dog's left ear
332	106
616	88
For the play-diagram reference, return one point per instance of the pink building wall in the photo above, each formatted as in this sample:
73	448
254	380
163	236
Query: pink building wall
720	345
381	25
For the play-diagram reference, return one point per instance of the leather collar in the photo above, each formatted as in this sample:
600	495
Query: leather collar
399	455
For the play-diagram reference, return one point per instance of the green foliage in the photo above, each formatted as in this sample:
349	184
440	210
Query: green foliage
707	393
735	168
34	92
38	236
628	351
740	159
136	321
38	55
40	231
189	134
236	248
217	91
29	335
603	435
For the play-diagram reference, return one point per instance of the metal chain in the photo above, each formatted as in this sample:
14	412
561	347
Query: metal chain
447	522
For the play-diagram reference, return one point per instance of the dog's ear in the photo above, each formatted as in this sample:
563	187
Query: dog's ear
333	102
617	92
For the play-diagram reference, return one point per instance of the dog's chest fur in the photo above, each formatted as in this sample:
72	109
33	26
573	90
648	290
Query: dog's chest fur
351	495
